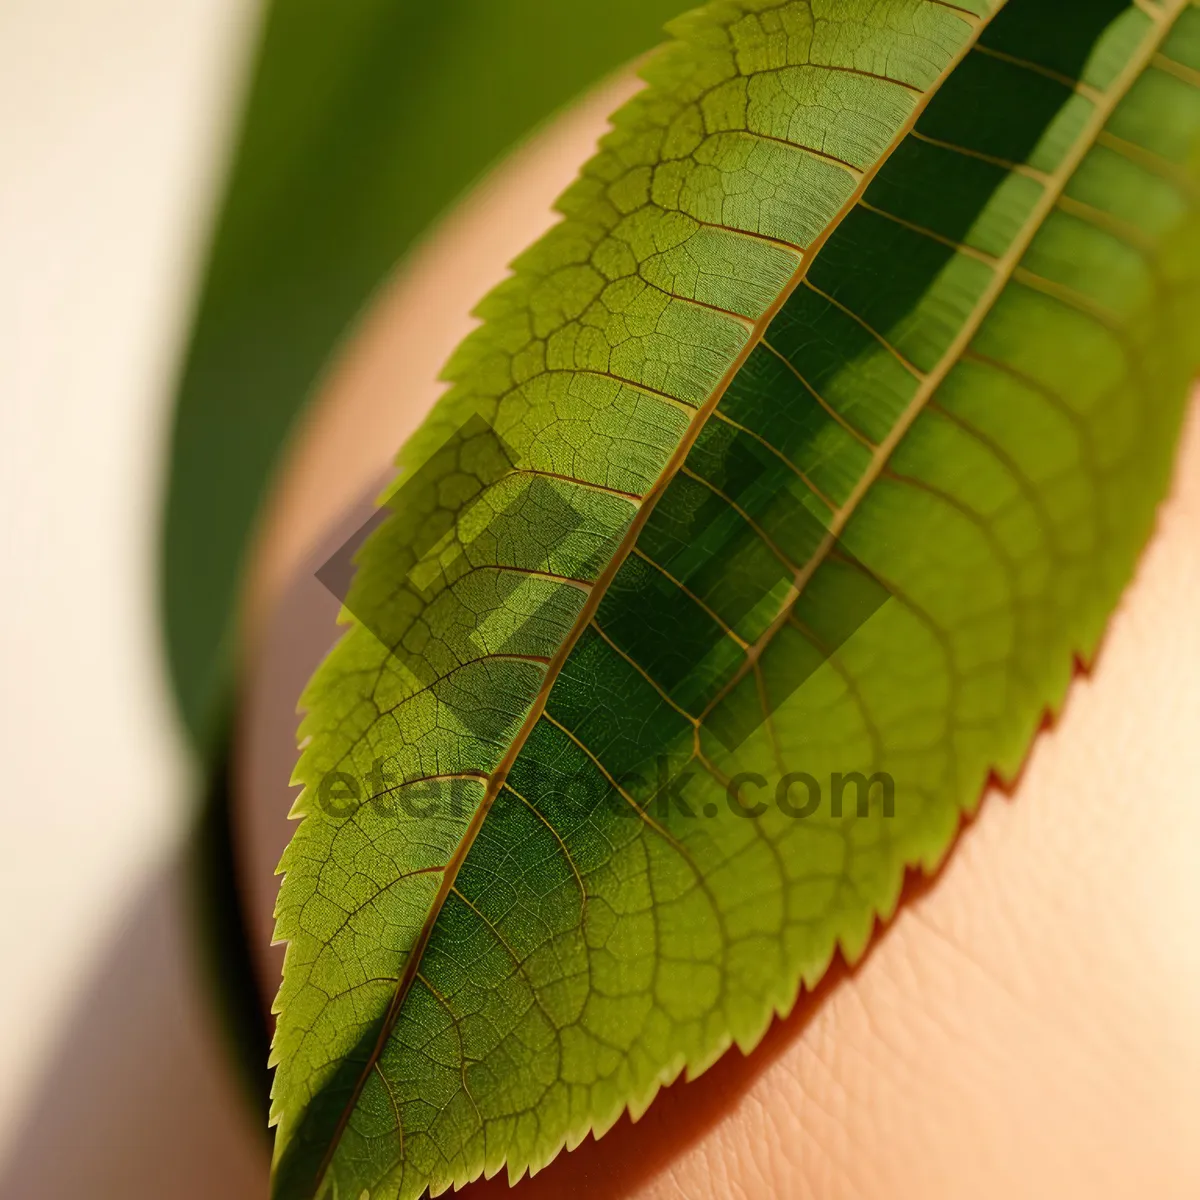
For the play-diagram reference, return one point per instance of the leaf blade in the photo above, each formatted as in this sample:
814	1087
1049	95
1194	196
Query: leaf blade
588	1030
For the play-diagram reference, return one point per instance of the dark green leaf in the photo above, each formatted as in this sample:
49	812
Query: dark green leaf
364	120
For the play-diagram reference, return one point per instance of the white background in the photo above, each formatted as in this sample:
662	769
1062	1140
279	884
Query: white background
114	123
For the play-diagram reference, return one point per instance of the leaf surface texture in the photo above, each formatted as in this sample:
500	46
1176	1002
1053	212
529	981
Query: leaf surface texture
865	297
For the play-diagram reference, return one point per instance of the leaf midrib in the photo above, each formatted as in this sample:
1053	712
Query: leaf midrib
1006	264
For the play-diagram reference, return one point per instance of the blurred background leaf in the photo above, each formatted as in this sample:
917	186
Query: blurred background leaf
364	121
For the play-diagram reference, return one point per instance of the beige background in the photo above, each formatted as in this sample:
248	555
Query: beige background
113	118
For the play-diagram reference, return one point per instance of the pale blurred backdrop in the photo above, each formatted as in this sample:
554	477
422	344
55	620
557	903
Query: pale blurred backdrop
114	124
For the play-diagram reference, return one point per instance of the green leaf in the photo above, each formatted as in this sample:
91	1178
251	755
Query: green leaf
808	452
341	166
